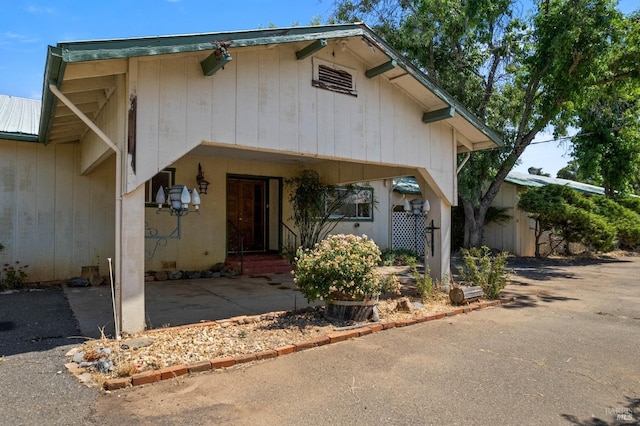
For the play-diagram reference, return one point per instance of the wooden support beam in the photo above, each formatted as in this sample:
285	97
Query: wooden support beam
215	61
381	69
311	49
439	114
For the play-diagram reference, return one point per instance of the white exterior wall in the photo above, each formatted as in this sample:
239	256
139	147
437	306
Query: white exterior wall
517	235
52	218
378	229
264	99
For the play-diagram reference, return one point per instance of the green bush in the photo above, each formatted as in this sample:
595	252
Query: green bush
424	283
399	257
15	276
570	215
632	203
340	267
588	228
483	269
625	220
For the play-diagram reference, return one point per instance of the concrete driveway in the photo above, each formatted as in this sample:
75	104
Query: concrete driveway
563	350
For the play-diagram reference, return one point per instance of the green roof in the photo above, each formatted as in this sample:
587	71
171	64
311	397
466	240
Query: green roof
533	181
408	185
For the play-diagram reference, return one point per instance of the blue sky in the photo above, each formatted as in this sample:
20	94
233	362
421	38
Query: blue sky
28	27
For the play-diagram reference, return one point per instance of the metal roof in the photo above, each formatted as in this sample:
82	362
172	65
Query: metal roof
532	181
19	118
65	58
408	185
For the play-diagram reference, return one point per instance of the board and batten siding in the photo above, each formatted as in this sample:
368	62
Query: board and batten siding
516	235
52	218
263	99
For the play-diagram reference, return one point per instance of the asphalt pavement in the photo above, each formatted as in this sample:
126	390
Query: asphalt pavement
37	328
563	349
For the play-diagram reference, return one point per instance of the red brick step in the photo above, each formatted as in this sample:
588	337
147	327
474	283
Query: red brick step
260	263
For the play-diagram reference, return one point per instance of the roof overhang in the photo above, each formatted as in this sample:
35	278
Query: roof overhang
85	72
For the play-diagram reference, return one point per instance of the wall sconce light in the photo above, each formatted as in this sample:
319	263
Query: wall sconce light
202	183
178	203
179	200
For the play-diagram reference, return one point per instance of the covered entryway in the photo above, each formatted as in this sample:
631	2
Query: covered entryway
246	214
253	225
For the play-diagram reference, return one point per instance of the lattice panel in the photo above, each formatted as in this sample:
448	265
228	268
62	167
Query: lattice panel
409	231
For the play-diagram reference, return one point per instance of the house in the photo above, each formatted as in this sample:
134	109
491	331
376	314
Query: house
241	111
517	235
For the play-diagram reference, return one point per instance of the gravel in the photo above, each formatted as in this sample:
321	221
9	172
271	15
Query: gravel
207	341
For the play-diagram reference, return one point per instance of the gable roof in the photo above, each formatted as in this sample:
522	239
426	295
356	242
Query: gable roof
64	59
19	118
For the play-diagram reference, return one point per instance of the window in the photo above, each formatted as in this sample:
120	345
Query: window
334	77
166	178
358	206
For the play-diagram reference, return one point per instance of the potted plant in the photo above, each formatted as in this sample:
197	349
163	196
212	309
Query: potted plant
341	270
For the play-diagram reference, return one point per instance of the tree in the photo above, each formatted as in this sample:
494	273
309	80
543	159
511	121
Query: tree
561	211
607	149
569	172
518	72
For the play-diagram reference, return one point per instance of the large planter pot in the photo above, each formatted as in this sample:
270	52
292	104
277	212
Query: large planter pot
351	310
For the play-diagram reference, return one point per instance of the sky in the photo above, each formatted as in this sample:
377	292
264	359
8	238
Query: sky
29	26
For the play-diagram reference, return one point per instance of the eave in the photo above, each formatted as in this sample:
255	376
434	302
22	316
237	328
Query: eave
83	53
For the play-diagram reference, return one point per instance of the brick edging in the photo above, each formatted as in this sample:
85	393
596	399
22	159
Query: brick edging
225	362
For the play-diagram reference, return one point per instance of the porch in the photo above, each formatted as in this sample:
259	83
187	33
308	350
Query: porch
180	302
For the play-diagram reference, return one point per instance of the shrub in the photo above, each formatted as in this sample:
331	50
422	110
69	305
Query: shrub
15	276
424	283
340	267
568	214
483	269
625	220
399	257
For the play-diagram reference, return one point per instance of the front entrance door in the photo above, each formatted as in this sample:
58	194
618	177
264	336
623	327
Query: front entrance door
246	206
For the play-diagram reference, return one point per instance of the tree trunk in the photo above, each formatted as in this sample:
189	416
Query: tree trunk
473	224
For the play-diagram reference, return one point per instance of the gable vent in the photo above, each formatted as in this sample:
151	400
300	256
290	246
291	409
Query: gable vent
334	78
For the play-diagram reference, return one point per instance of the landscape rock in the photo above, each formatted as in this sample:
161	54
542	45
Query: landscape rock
78	282
218	267
404	305
175	275
138	343
162	276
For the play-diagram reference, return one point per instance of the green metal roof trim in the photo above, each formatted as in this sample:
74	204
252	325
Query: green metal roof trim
82	51
53	72
532	181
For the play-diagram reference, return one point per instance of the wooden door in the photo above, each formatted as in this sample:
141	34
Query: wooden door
246	200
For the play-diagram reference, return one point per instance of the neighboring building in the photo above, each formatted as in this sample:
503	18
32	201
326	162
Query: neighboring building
517	235
248	109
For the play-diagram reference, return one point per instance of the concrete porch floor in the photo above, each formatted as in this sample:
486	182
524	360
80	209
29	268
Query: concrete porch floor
179	302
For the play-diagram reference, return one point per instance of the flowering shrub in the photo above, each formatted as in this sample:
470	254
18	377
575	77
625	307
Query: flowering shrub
340	267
